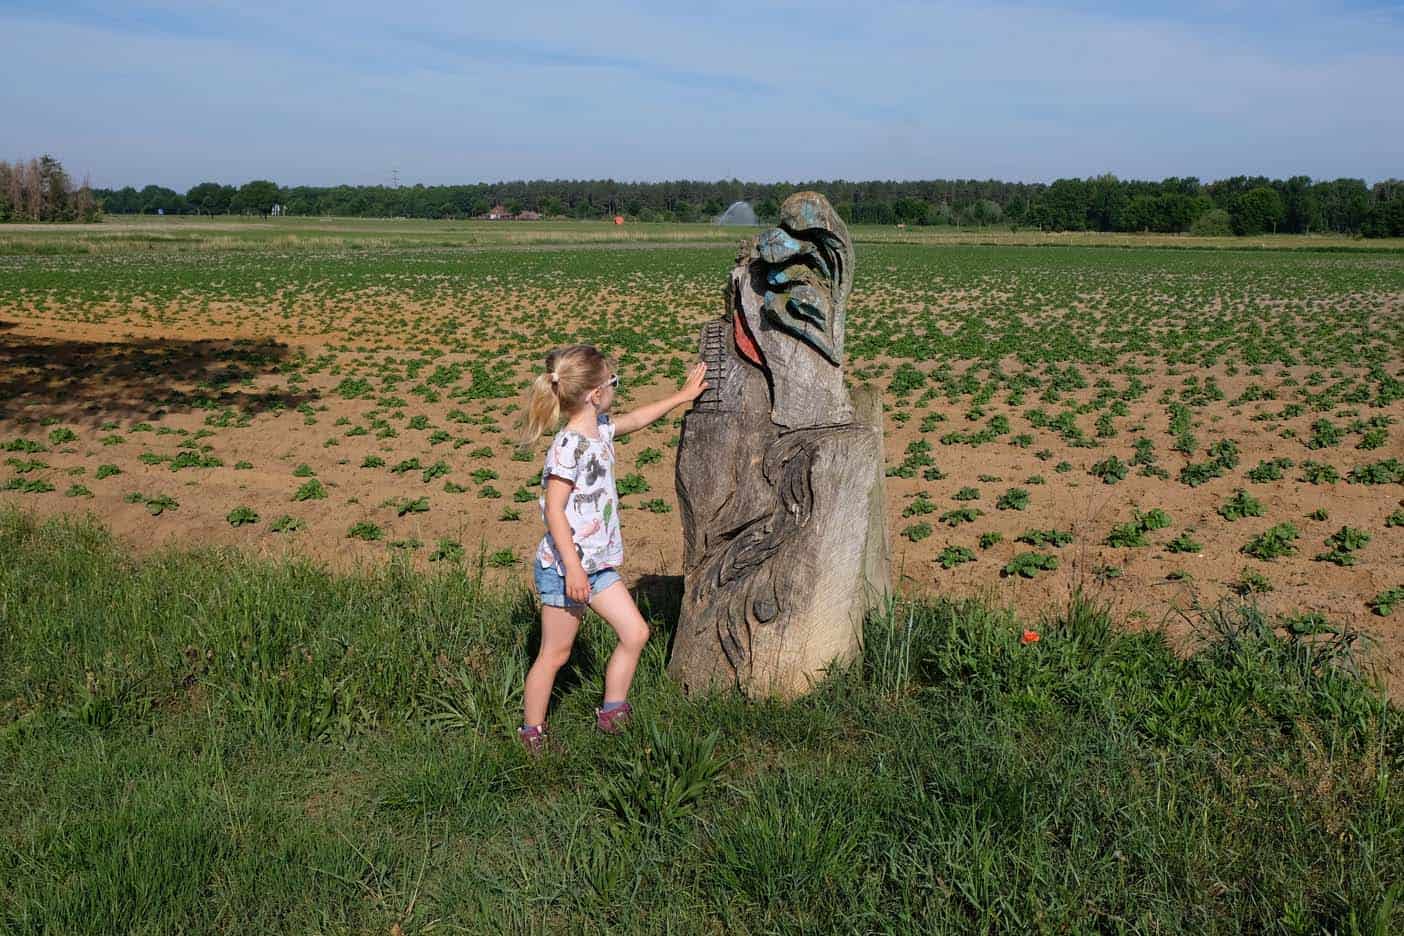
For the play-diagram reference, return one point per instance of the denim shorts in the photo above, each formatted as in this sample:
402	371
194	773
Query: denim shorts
550	585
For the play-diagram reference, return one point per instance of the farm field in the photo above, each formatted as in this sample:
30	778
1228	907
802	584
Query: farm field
1159	426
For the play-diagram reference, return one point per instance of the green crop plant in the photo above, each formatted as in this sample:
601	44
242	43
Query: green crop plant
1029	564
1110	470
916	532
1266	471
1252	582
1324	434
241	516
1013	499
1342	545
365	530
1389	471
310	490
1133	533
447	550
1314	472
1273	543
1184	543
1241	504
1385	602
953	556
919	506
1040	538
502	559
160	504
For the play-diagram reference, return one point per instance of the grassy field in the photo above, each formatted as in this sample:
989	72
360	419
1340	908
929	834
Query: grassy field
207	742
265	620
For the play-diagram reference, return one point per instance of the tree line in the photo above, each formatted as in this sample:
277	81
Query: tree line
40	190
1242	205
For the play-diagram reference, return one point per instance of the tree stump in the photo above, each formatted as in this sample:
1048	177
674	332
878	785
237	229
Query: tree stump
779	473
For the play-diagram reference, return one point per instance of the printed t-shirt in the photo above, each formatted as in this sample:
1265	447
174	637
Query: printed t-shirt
592	509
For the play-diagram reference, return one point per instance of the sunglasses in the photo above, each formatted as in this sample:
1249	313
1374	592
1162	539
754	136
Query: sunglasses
613	381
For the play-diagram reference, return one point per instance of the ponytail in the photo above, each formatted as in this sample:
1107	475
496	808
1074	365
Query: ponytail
541	410
571	373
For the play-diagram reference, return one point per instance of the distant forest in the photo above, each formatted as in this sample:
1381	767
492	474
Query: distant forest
1243	205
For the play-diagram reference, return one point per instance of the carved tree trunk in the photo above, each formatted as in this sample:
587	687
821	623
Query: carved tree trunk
779	475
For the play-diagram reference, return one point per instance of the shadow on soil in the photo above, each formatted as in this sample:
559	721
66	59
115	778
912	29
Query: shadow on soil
659	598
89	381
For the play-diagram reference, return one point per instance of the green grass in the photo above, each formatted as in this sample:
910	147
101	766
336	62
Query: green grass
207	741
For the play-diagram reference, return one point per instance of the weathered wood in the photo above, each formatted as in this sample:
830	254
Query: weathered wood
779	478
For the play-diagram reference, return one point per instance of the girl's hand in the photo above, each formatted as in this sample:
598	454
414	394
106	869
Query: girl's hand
696	382
577	585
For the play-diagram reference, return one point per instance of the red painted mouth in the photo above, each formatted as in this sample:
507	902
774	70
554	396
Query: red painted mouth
744	342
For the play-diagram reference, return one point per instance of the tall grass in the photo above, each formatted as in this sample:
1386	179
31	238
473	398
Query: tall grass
205	742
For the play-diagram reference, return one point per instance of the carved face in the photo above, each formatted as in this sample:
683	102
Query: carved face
787	298
807	267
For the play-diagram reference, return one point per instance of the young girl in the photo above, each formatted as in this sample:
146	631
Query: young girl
577	559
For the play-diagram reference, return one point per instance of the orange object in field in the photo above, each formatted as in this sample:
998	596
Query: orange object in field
618	219
1030	636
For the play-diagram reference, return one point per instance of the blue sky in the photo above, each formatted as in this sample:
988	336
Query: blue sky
327	93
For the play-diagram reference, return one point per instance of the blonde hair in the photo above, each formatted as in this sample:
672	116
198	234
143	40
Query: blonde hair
571	373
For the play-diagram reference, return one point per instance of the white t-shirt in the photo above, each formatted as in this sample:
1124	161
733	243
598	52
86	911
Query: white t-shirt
592	509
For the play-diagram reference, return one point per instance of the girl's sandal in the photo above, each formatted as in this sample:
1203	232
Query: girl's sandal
533	739
615	720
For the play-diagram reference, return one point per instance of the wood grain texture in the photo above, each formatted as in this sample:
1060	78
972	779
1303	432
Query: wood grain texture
779	476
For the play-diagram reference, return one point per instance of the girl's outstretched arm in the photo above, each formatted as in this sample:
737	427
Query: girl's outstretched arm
652	412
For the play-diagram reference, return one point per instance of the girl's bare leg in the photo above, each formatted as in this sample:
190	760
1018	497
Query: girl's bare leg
558	628
615	605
